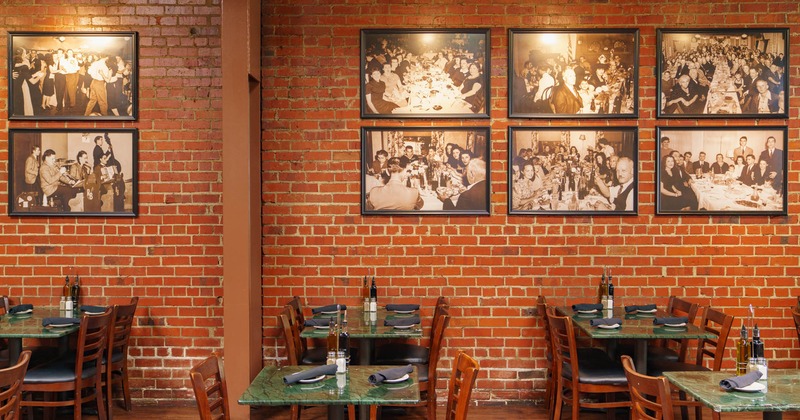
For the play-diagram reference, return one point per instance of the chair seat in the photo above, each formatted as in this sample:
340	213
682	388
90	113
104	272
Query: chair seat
596	368
402	354
657	368
117	356
662	353
422	372
59	370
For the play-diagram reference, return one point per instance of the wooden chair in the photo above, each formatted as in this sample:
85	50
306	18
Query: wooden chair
5	304
212	398
465	372
796	316
4	362
427	372
11	387
297	310
409	353
296	349
75	372
550	382
650	396
116	361
674	349
593	372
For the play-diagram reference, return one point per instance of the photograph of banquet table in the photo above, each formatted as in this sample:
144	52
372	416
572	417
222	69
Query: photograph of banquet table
638	327
367	327
352	388
425	73
783	389
16	327
736	73
442	170
730	170
589	170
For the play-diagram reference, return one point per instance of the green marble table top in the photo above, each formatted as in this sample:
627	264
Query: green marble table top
30	325
352	387
783	391
362	324
633	326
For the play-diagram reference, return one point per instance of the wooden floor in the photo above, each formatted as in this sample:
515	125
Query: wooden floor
320	413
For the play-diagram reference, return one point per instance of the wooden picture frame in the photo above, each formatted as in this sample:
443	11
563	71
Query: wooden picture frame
86	76
433	170
73	172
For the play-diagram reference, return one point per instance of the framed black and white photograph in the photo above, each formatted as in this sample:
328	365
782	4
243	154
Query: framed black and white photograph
72	76
723	73
73	172
573	73
440	170
721	170
425	73
573	170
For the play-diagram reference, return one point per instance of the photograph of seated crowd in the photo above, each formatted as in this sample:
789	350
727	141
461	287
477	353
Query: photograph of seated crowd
722	170
434	171
713	73
424	74
71	77
72	172
569	73
580	170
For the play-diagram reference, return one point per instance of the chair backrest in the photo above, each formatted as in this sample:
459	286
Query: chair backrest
436	346
441	304
119	332
465	372
541	309
92	341
11	387
292	339
796	316
565	351
650	395
4	304
718	324
679	307
210	389
297	310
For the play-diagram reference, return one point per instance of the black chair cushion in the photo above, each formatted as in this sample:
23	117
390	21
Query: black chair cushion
422	372
402	354
115	357
662	354
596	368
658	367
59	370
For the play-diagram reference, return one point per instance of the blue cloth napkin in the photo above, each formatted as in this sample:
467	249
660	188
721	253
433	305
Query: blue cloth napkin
634	308
402	322
60	321
739	381
402	307
605	321
91	308
20	308
394	373
587	306
328	308
670	320
309	374
318	322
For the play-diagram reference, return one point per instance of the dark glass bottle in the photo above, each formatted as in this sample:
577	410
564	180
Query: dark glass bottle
76	292
66	290
373	297
344	339
332	341
742	352
757	346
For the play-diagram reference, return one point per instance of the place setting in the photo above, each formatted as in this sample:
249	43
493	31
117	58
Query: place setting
612	324
329	309
394	375
93	310
402	308
21	311
587	310
60	322
641	311
744	386
671	323
404	323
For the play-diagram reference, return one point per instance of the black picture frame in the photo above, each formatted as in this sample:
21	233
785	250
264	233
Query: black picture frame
566	175
108	188
709	190
63	90
428	84
604	62
722	53
428	182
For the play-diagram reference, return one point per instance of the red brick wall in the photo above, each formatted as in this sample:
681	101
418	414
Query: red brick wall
316	244
171	255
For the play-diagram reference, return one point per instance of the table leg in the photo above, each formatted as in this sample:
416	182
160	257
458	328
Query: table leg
773	415
335	412
640	356
14	349
365	359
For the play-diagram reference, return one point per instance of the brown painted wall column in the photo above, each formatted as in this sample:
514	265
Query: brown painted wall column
241	171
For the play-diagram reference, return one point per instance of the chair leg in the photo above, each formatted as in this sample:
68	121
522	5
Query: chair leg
431	404
373	412
98	395
351	412
576	403
559	400
126	389
295	412
611	413
109	390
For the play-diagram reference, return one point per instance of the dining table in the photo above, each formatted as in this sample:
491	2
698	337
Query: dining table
781	393
335	391
720	193
637	326
366	327
722	98
14	328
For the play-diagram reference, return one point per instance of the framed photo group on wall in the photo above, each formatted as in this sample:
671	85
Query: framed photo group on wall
73	76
